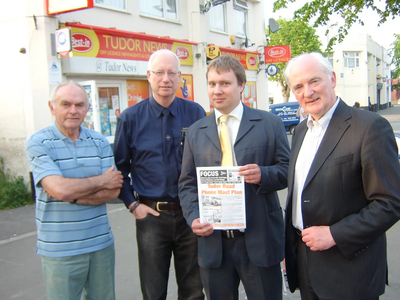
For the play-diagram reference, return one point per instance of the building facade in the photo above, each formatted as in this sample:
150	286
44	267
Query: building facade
362	70
111	44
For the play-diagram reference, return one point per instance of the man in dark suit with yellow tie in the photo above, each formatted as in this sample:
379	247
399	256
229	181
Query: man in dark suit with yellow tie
343	191
259	145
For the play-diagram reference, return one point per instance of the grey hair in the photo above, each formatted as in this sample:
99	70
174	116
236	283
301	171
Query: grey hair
150	66
322	61
62	84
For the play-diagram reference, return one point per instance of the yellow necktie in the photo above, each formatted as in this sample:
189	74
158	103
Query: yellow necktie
225	140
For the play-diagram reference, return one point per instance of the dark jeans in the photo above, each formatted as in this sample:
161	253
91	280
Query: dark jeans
158	238
259	283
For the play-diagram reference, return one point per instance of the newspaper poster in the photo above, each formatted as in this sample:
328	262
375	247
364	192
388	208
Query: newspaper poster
221	197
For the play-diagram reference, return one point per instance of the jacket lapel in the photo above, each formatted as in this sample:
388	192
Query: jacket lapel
249	115
210	130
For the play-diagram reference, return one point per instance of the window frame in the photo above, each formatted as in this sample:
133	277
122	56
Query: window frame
241	6
351	56
111	7
164	11
224	15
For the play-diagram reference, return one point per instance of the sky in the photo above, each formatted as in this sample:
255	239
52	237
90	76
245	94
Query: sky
383	35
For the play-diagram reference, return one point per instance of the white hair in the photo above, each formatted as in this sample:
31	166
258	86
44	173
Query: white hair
323	62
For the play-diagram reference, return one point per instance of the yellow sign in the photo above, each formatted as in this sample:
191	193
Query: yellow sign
213	52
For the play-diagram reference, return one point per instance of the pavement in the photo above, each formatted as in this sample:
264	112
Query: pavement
20	268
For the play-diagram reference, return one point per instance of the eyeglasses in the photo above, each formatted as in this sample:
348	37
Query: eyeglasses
162	73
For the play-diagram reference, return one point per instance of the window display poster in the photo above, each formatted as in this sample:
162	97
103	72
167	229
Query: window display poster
137	91
104	119
249	95
185	87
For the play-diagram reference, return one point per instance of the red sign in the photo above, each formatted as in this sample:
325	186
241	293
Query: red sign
252	61
81	42
61	6
90	41
395	81
277	54
182	53
249	59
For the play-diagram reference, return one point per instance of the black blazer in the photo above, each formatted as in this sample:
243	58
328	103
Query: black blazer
261	140
353	186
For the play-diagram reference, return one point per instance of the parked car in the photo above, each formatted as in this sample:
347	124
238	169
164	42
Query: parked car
397	137
287	112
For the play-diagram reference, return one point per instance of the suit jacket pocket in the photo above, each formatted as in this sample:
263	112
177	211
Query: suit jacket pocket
340	160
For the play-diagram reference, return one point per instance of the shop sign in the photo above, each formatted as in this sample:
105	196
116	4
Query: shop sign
249	60
93	65
213	52
62	6
99	44
63	40
277	54
395	81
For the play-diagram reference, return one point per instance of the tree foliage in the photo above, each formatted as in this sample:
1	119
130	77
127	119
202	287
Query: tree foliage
301	38
395	54
349	10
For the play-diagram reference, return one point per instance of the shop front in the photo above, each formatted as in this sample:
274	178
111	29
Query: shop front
112	67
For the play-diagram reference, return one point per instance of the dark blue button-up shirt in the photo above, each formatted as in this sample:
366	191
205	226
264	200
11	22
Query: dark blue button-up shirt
138	145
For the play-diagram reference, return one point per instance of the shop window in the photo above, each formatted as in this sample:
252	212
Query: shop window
351	59
218	18
240	17
164	9
109	106
249	95
113	4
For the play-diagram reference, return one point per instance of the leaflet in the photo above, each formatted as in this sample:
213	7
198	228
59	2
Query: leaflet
221	197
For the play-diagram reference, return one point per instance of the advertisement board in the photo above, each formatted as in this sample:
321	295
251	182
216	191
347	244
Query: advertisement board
277	54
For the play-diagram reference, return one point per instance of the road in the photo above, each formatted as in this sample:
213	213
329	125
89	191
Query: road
20	268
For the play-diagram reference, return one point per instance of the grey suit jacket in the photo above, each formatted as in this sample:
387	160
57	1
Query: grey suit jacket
261	140
353	187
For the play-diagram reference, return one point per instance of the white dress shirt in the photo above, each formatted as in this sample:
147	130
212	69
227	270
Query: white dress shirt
312	140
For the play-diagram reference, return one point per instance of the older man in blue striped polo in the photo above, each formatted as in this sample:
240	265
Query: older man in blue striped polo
74	174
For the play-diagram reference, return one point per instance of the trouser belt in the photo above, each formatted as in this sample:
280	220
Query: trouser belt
160	205
230	234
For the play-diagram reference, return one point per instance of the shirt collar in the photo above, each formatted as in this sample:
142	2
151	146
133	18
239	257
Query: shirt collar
237	113
61	136
324	121
157	108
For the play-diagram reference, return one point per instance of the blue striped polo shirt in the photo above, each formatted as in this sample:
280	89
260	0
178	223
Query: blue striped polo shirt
64	229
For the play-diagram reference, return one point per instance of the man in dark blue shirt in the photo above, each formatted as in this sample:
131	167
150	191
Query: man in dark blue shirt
148	149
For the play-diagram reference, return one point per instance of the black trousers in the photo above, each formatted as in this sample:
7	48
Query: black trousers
158	238
259	283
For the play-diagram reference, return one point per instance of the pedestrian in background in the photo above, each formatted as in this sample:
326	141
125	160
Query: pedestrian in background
357	105
73	169
147	151
343	190
260	146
